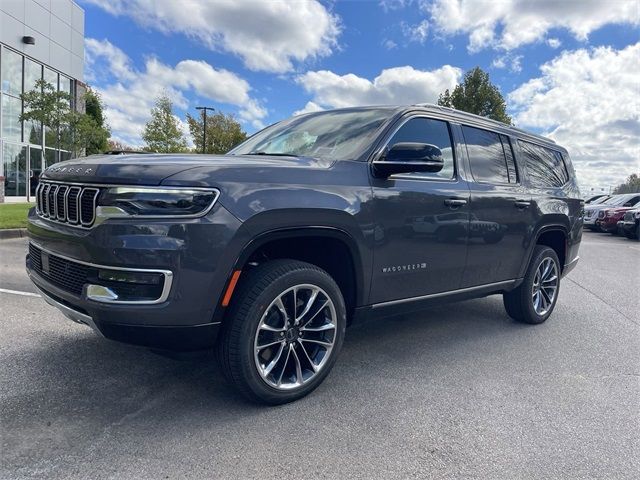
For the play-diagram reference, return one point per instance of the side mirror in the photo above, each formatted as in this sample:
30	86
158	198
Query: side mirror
409	157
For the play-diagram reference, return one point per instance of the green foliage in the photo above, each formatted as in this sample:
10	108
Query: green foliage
48	106
632	185
476	94
223	132
64	127
95	131
162	133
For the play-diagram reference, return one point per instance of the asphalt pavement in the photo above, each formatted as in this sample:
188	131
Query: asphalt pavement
456	391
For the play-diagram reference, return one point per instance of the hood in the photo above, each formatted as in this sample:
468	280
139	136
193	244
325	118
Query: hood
152	169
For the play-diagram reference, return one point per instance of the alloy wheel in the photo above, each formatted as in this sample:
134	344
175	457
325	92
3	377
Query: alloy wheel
545	286
295	337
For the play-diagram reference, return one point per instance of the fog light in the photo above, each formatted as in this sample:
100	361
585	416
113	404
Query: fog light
130	277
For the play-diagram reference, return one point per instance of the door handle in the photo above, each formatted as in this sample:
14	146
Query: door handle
522	204
455	202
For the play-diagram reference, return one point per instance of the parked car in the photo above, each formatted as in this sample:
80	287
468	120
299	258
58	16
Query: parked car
609	217
630	223
596	198
268	252
592	211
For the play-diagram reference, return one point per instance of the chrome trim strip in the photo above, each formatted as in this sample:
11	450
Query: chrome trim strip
443	294
53	192
166	288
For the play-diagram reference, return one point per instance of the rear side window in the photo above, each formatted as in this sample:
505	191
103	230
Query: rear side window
490	156
545	167
433	132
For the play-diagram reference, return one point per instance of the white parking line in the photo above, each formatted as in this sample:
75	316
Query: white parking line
18	292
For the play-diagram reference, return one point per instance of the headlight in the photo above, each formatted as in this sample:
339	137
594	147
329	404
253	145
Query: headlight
151	202
610	214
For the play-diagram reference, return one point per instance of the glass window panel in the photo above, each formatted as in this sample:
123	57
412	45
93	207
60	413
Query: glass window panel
545	167
11	127
433	132
35	168
32	73
511	163
14	160
11	72
51	77
50	157
486	155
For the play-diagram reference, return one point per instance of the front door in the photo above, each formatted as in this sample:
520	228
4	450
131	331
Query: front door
421	221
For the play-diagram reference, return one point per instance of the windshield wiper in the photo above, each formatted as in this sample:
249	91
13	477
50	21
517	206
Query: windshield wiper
272	154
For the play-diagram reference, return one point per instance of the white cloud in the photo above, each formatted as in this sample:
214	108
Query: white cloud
308	108
399	85
554	42
588	101
388	5
512	62
389	44
508	24
266	35
416	33
129	93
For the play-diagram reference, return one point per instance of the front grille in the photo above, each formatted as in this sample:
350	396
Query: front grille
64	203
65	274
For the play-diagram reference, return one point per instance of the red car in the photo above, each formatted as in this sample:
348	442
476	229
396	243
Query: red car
608	218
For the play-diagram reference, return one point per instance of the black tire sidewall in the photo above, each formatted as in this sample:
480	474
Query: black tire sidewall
250	375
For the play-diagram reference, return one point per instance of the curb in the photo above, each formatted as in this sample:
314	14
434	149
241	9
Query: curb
8	233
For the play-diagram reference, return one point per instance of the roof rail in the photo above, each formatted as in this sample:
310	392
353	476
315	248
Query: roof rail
491	121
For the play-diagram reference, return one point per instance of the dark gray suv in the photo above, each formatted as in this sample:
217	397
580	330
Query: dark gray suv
268	252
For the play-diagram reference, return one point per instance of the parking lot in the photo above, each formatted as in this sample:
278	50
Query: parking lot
457	391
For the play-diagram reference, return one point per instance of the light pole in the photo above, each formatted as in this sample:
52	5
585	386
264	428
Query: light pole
204	126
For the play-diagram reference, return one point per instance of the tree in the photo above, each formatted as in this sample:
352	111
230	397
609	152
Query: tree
476	94
98	132
48	107
632	185
162	133
223	132
75	131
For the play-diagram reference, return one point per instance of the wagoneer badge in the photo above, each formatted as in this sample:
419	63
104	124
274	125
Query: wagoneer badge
405	268
76	170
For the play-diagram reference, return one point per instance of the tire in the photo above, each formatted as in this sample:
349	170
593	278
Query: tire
256	318
520	302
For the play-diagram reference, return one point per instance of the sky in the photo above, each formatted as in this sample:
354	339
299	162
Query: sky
569	69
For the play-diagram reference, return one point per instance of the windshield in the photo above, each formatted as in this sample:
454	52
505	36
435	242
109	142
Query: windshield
334	135
600	200
618	200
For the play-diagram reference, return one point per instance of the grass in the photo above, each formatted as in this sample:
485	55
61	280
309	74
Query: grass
14	215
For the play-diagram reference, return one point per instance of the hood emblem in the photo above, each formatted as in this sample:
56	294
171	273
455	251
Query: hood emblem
72	170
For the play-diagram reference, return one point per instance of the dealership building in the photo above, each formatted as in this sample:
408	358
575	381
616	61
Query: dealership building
39	39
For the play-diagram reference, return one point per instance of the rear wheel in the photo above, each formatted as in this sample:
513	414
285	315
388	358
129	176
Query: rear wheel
284	331
534	300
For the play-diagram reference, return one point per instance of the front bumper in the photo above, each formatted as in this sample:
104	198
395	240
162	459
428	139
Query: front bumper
185	317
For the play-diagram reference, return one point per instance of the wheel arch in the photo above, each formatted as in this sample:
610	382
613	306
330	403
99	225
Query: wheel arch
340	256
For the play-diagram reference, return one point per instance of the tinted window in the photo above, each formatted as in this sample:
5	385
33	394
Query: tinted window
511	163
544	166
433	132
487	156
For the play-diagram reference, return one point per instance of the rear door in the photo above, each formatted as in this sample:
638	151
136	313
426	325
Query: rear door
501	213
421	220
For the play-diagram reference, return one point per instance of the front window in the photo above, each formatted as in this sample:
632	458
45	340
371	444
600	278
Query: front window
334	135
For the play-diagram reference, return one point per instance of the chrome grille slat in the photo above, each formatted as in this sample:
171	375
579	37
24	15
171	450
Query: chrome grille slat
69	204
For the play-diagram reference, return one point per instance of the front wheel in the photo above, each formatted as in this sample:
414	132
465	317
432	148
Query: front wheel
284	331
534	300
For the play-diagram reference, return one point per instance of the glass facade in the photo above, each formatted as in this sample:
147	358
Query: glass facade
26	149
